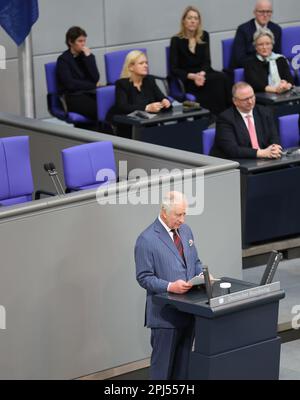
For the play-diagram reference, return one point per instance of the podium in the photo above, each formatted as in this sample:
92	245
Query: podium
235	334
262	180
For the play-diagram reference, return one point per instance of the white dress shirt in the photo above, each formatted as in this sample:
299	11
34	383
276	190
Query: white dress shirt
170	233
169	230
260	27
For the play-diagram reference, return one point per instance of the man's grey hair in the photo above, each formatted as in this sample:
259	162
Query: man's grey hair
239	85
172	199
263	32
259	2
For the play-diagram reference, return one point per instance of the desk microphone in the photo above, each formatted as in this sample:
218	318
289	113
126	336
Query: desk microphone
50	168
294	90
207	282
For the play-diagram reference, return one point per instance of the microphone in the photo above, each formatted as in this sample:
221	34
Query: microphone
207	282
50	168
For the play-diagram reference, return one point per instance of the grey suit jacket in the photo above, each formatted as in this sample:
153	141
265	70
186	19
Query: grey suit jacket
157	264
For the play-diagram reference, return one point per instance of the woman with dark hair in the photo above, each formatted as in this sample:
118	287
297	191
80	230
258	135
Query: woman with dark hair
190	61
78	75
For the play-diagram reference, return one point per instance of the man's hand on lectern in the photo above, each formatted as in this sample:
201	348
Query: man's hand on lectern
179	287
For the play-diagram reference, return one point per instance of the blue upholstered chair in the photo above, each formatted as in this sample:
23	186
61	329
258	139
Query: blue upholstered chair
106	96
208	138
55	105
88	166
176	86
290	38
16	183
238	73
114	62
289	131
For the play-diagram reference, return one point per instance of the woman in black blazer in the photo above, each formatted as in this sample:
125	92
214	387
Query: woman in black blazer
268	72
190	62
77	75
136	90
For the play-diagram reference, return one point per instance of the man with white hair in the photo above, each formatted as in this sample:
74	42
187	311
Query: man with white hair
243	48
166	259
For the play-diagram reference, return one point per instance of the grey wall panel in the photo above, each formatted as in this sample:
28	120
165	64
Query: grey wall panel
9	88
57	16
286	11
40	79
10	46
220	15
134	20
68	318
162	19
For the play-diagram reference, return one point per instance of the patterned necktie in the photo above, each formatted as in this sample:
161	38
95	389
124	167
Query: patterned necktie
252	132
178	244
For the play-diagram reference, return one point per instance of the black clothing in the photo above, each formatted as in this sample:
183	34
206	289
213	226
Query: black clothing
76	80
82	103
129	98
257	72
215	94
232	136
76	74
243	48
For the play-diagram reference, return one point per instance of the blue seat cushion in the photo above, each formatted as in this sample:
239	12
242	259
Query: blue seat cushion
15	200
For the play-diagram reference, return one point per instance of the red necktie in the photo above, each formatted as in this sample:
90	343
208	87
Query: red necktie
178	244
252	132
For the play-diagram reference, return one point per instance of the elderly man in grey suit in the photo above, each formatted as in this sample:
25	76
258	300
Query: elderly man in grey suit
166	259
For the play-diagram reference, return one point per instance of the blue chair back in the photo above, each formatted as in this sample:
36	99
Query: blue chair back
82	165
55	107
105	99
114	62
239	75
290	38
227	45
16	183
208	138
289	130
54	104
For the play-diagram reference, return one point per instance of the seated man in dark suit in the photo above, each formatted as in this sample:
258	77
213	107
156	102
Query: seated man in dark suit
243	48
246	130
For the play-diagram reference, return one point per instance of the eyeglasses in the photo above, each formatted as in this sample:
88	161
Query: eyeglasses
246	99
266	44
262	12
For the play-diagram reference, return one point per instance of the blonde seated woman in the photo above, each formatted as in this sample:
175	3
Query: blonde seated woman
268	72
136	90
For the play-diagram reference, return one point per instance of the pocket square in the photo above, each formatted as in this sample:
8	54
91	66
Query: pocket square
191	242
